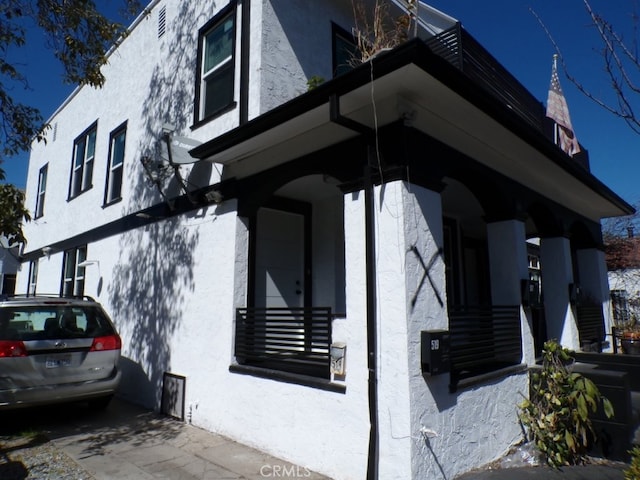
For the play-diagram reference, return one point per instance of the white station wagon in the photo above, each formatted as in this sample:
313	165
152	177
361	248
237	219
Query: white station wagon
56	349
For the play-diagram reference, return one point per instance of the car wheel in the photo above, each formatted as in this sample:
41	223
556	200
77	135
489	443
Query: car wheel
100	403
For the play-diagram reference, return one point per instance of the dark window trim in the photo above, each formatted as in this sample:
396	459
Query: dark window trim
93	126
245	50
40	196
450	224
115	132
294	378
232	10
486	378
338	31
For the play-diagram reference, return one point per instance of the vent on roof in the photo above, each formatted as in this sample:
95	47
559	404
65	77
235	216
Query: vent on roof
162	21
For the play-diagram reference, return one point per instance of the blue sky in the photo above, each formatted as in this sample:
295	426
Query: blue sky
512	34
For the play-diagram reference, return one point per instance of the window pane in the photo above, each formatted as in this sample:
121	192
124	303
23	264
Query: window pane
117	155
42	187
218	91
218	44
88	174
345	54
69	266
115	184
79	154
91	147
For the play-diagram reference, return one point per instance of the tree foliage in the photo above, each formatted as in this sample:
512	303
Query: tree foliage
12	213
79	36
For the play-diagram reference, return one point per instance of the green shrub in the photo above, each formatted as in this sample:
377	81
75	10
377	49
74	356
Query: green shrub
633	472
556	415
314	82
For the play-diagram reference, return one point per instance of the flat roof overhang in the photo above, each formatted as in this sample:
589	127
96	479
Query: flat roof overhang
411	82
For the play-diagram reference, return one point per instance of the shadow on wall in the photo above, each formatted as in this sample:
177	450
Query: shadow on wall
154	274
151	283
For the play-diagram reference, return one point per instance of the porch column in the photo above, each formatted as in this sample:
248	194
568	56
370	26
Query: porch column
594	280
509	266
422	262
557	275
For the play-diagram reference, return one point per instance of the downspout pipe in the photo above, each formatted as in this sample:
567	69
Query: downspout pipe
371	291
372	348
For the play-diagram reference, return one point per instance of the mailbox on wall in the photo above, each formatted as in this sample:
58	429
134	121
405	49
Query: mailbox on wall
435	352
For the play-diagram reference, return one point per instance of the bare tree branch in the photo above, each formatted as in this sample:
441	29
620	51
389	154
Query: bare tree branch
621	66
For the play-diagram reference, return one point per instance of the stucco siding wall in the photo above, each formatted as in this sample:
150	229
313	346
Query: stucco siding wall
293	49
150	84
446	433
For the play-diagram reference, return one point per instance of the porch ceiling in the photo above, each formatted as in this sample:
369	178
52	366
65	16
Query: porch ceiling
446	111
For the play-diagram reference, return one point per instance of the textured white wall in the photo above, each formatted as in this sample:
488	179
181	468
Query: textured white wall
295	49
472	428
172	286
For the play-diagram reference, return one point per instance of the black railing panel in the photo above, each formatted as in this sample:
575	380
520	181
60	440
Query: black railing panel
460	49
483	338
295	340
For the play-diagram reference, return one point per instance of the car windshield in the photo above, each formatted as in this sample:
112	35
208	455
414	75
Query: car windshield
53	321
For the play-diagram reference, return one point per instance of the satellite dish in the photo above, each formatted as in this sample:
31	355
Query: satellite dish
180	147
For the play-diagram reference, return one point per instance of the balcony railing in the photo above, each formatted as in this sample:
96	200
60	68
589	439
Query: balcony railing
483	339
294	340
460	49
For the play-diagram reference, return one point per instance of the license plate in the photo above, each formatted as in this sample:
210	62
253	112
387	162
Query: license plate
58	361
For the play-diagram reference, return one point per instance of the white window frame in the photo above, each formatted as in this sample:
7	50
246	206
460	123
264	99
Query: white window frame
221	67
72	272
83	161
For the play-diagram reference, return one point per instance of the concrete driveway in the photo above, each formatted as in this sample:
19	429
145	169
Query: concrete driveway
129	442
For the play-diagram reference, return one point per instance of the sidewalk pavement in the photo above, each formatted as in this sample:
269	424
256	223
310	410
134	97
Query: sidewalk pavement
126	442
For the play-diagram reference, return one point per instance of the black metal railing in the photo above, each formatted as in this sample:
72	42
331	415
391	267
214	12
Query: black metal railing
483	339
590	319
459	48
295	340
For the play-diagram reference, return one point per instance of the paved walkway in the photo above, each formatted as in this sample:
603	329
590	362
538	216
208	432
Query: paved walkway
589	472
127	442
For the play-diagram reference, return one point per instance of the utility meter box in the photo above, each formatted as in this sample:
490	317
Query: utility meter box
435	352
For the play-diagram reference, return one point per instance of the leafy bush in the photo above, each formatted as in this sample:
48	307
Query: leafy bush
633	472
557	413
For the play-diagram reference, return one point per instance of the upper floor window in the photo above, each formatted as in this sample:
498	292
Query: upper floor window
115	167
84	149
42	187
216	65
345	50
73	271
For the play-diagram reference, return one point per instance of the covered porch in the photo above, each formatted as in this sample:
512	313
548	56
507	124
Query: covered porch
399	199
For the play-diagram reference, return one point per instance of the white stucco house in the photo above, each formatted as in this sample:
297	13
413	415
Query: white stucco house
341	277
